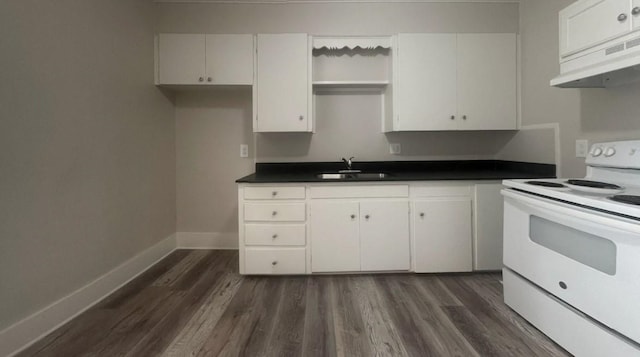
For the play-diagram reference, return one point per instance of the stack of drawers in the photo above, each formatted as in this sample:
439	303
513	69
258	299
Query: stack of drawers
273	230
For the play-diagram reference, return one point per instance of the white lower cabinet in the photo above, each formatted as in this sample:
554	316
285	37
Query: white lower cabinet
368	231
335	242
272	230
442	233
488	212
426	227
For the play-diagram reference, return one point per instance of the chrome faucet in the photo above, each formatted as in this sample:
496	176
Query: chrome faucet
348	162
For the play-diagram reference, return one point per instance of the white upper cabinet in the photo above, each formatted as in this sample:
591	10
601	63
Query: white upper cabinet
588	23
426	98
282	91
486	82
456	82
198	59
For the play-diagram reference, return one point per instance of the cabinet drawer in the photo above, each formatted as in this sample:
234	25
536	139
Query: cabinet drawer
441	191
275	212
386	191
275	261
274	193
274	234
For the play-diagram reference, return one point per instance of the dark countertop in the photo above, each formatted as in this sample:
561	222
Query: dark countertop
401	171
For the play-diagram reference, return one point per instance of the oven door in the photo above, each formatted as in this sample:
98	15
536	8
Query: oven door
589	259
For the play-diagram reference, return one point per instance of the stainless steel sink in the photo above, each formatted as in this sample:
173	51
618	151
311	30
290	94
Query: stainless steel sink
357	175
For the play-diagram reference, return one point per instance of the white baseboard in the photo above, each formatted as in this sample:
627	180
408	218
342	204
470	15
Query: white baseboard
207	240
22	334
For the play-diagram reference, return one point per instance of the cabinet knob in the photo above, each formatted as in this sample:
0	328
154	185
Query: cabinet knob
274	236
274	193
201	79
274	263
209	79
421	214
301	117
622	17
353	216
452	117
635	10
366	217
274	213
464	117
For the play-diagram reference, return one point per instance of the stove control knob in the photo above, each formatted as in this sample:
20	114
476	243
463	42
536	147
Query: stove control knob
596	151
610	151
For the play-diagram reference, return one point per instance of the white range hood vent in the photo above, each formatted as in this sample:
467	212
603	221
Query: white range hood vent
613	65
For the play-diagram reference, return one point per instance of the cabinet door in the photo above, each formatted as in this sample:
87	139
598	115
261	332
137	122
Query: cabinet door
229	59
588	23
488	224
426	96
334	229
487	82
282	83
384	235
181	58
442	235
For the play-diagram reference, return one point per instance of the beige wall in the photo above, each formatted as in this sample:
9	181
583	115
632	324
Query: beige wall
210	130
87	153
593	114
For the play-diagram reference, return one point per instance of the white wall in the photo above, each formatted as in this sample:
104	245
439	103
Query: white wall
346	125
87	153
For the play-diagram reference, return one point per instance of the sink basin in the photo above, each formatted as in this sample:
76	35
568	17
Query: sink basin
346	176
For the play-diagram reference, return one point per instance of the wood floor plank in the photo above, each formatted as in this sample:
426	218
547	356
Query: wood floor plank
158	338
319	335
351	339
287	330
379	327
424	326
194	333
194	303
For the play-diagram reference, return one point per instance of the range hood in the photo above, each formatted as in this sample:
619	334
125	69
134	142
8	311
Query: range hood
610	65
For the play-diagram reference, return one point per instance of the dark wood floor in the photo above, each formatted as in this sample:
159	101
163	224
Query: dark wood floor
194	303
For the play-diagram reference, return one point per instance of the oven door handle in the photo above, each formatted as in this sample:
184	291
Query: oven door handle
573	211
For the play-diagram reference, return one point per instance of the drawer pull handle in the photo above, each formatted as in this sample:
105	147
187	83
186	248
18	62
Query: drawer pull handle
421	214
366	217
452	117
274	193
274	236
353	216
274	213
636	10
622	17
274	263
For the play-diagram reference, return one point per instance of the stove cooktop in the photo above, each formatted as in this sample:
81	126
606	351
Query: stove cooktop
587	196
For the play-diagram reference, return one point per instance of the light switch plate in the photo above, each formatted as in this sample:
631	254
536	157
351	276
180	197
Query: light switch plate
582	146
244	150
395	148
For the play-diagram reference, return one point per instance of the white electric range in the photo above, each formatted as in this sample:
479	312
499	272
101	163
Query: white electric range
572	253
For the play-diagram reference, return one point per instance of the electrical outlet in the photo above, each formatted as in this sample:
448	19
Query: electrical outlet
244	150
582	146
395	148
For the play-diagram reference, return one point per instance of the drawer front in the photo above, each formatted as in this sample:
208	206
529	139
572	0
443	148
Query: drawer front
274	234
368	191
441	191
275	212
274	193
275	261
